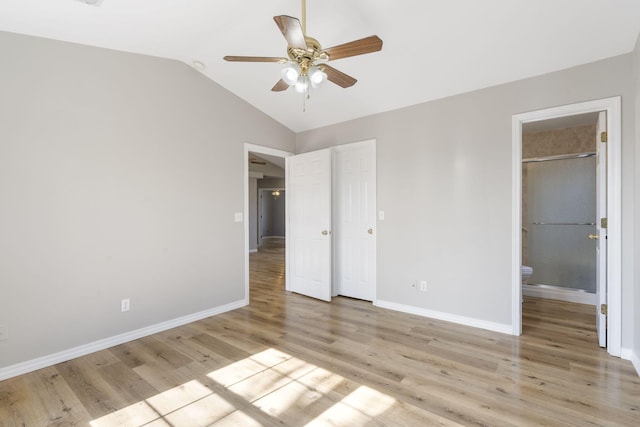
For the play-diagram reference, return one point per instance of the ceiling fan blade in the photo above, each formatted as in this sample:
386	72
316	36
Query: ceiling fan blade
254	59
280	86
291	30
356	47
338	77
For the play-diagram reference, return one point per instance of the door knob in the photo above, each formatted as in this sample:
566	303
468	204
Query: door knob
593	237
370	231
325	232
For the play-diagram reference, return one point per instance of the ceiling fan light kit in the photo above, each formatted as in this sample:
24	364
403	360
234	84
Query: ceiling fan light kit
306	67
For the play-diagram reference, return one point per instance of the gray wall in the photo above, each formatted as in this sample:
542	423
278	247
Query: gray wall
444	182
110	172
636	81
273	214
271	183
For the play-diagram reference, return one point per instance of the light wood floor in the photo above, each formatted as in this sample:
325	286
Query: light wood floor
291	360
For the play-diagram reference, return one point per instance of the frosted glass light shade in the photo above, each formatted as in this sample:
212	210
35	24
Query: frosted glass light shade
316	76
290	74
302	84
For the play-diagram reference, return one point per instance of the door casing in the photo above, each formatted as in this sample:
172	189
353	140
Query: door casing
614	209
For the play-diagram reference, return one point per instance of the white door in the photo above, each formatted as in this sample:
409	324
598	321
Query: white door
601	236
309	233
355	220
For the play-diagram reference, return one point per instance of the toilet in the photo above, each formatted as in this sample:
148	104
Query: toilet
525	273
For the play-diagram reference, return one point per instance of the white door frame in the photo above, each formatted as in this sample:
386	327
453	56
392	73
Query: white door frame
258	149
614	209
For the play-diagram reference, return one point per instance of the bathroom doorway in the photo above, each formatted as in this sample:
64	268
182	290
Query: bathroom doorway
608	271
559	208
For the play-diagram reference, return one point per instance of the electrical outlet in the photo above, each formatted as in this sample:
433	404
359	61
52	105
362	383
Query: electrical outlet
423	285
237	217
4	332
124	305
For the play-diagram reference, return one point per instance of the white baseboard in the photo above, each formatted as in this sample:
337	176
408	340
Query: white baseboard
273	237
559	294
635	360
251	251
454	318
82	350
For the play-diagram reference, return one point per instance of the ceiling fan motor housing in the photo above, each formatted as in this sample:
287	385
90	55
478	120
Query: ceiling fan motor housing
305	58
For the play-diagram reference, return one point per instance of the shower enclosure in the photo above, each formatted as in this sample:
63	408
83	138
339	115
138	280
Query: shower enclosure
560	216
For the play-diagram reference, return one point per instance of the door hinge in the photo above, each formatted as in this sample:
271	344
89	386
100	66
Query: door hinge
603	222
603	309
603	137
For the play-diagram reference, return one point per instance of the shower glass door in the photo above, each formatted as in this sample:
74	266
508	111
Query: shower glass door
561	214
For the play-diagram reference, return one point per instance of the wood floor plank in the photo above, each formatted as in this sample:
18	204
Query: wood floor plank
290	360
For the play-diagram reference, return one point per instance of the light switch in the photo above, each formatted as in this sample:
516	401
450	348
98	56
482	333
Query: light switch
238	217
381	215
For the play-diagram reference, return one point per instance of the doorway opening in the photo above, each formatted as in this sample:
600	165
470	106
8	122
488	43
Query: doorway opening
609	291
559	208
264	210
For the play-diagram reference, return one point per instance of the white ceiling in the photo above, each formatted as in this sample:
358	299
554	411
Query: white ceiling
432	49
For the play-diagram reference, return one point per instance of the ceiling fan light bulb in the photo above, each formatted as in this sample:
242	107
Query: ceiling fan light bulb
316	76
290	75
302	84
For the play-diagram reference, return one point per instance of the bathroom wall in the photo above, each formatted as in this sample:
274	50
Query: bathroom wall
572	140
580	139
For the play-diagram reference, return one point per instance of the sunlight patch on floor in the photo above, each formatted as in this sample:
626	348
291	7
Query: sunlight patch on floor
285	388
190	404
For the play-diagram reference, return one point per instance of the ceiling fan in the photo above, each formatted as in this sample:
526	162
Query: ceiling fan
306	58
256	161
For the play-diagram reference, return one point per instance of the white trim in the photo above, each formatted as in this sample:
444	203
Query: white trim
614	209
259	149
516	221
560	294
274	237
447	317
626	353
82	350
635	360
252	251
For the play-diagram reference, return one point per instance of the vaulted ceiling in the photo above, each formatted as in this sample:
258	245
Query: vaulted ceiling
432	49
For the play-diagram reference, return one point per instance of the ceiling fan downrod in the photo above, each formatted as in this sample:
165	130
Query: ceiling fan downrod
304	17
